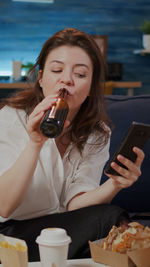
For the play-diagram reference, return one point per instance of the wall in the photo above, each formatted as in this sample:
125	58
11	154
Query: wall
25	26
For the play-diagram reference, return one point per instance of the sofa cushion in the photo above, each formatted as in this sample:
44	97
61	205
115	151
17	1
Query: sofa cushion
123	110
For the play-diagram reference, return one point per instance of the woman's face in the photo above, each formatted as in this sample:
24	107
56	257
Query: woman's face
67	67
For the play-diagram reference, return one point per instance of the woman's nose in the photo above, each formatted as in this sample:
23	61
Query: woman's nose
67	78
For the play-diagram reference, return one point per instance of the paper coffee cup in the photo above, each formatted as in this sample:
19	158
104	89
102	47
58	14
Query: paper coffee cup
53	247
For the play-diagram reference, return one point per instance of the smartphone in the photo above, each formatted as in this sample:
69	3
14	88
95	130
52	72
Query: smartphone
137	135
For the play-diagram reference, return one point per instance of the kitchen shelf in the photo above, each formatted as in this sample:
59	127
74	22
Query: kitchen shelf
142	52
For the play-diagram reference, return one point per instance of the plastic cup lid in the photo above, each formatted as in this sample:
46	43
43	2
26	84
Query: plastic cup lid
53	236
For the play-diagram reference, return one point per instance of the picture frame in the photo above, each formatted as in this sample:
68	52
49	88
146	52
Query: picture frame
102	42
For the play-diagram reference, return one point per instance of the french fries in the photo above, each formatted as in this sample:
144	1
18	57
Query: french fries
18	246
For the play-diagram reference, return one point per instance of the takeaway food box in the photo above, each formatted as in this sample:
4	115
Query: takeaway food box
136	257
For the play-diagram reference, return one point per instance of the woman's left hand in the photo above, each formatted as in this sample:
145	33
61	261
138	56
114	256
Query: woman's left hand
131	174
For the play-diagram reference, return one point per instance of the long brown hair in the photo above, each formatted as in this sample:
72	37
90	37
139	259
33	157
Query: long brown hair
92	116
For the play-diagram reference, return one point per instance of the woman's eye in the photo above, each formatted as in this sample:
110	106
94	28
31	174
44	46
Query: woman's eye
80	75
56	71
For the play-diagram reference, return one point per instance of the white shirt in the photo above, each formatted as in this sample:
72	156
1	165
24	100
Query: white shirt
55	180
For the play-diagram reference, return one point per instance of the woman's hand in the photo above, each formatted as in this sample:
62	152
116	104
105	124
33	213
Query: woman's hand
131	174
33	123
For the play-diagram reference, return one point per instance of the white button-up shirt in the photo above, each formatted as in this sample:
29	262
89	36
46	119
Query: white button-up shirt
55	180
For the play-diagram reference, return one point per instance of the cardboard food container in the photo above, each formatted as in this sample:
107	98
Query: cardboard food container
13	252
135	258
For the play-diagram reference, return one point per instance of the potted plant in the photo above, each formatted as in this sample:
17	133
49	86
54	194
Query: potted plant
27	67
145	28
29	75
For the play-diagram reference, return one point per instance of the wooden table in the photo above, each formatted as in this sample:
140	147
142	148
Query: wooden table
121	84
16	85
128	85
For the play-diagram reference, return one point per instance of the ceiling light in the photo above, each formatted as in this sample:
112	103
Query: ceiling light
35	1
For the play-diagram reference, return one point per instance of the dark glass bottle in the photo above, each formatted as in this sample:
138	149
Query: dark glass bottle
53	122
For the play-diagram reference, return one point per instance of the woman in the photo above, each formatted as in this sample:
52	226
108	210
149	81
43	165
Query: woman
48	182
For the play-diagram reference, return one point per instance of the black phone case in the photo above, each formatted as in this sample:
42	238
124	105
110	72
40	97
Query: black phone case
137	135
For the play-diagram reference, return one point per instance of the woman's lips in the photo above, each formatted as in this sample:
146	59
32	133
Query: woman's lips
64	88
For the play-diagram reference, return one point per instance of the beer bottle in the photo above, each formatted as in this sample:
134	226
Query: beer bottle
53	121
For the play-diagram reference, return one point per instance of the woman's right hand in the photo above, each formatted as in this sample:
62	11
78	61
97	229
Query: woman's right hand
34	119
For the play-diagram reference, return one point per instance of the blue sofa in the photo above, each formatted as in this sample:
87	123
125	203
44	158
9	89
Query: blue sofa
123	110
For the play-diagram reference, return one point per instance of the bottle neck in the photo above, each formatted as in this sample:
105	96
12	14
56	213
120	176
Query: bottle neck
63	93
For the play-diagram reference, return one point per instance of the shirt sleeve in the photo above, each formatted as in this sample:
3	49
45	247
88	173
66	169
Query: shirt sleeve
87	173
